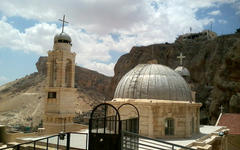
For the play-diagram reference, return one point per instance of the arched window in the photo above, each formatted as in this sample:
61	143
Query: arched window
53	73
169	126
68	73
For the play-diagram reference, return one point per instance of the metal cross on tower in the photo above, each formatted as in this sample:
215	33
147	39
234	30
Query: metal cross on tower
221	108
181	57
63	21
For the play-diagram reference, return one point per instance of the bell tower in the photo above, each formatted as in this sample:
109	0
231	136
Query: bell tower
59	105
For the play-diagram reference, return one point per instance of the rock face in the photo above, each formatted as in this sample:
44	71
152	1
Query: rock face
213	64
226	91
88	79
41	65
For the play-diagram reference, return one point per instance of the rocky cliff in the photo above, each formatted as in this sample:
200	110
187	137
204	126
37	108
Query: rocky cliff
213	64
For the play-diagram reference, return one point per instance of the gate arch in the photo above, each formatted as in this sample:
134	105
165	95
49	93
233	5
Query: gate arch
105	128
130	124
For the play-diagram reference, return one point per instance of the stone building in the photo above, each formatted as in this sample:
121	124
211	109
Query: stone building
164	101
167	107
204	35
59	105
61	94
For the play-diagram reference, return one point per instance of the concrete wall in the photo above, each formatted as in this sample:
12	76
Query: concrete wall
233	142
56	128
3	136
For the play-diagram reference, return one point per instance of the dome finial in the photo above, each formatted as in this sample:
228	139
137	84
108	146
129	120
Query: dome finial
63	37
184	72
181	57
63	21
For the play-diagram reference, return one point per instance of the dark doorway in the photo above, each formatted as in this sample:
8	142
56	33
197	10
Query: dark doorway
105	128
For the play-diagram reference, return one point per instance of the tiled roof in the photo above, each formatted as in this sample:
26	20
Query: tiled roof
232	121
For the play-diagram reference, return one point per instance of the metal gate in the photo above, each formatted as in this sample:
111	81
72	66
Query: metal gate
130	123
105	128
129	120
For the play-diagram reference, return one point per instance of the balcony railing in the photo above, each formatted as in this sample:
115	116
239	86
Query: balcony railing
66	141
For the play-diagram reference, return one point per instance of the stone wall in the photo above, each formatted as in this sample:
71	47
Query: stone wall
154	112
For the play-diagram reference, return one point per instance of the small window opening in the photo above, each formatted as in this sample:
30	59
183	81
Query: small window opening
52	95
169	126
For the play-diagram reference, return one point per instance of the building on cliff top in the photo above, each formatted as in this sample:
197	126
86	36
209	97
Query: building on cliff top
204	35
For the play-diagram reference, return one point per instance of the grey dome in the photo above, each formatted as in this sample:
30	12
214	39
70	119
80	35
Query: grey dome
182	71
153	81
62	38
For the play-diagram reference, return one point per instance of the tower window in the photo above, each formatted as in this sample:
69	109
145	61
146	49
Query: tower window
192	124
63	41
52	95
169	126
68	73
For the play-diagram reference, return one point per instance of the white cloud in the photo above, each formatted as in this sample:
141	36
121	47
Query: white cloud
97	16
136	22
221	21
215	12
106	69
237	7
36	39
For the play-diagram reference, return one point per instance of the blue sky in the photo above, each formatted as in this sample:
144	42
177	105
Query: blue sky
102	30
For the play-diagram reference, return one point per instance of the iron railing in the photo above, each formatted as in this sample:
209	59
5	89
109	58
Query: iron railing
133	141
69	140
75	140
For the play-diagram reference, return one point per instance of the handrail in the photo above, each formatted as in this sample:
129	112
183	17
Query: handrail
151	146
32	141
148	138
47	142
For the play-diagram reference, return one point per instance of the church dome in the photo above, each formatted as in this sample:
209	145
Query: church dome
153	81
182	71
62	38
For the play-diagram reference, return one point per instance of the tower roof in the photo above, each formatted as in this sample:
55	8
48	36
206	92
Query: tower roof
62	38
153	81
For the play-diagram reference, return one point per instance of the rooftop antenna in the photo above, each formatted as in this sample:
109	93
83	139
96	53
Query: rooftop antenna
211	25
63	21
152	51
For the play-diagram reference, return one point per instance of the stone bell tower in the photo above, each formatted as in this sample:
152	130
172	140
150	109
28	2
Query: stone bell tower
59	105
